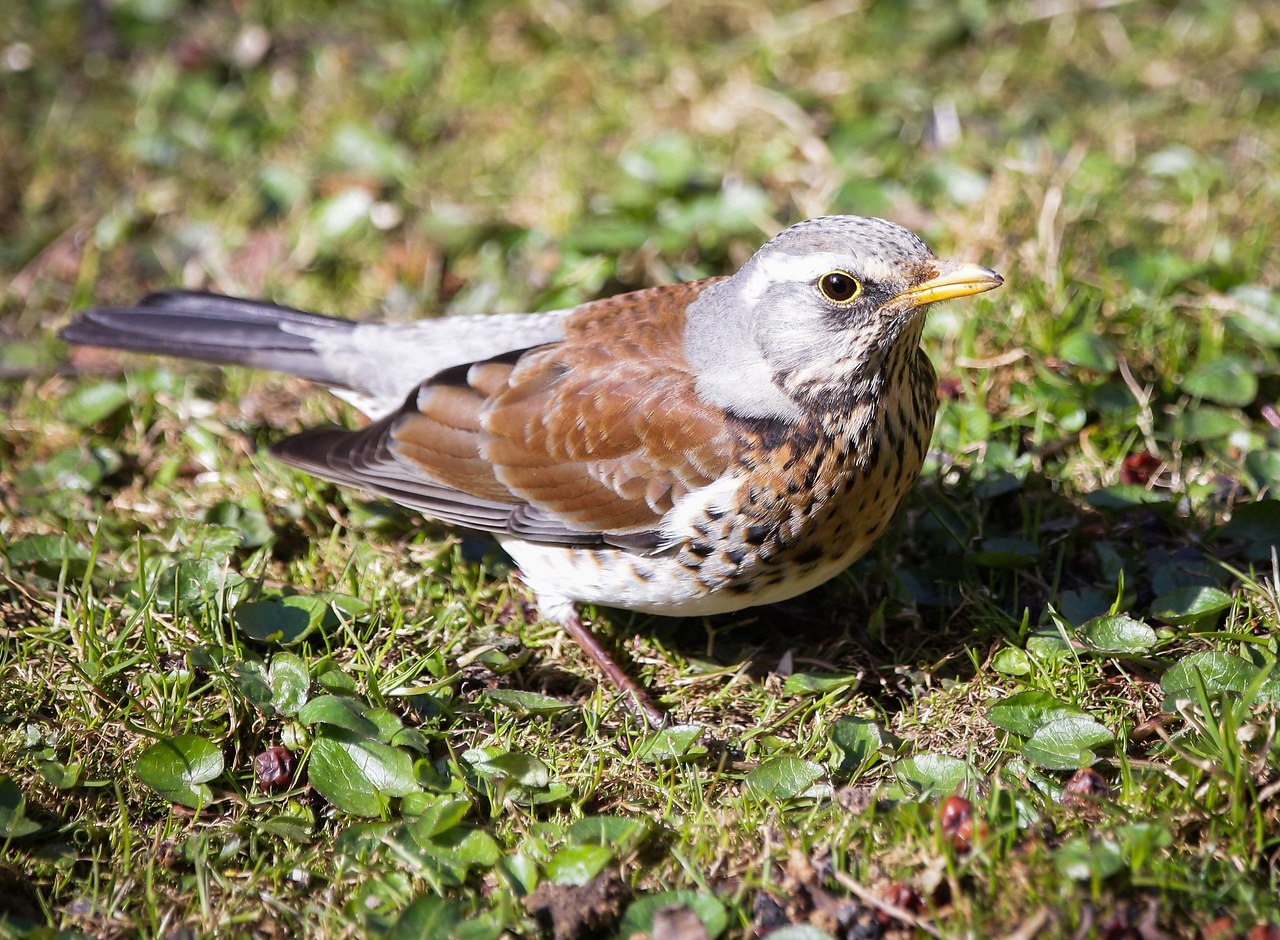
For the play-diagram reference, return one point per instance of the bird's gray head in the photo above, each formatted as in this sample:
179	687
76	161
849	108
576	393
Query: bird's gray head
822	303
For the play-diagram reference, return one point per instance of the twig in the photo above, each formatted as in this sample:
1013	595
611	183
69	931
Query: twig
866	896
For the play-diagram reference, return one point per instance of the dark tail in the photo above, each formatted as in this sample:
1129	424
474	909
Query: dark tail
213	328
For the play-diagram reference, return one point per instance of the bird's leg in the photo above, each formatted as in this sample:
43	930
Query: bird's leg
634	697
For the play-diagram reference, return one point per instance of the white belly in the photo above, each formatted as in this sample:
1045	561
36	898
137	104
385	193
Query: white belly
560	576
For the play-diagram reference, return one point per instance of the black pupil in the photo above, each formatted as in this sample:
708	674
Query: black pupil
840	286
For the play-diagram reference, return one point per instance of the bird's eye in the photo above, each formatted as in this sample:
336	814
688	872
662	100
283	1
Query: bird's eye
839	287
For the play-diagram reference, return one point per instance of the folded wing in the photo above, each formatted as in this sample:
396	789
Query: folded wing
587	441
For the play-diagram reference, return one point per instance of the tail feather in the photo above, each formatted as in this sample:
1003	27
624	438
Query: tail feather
217	329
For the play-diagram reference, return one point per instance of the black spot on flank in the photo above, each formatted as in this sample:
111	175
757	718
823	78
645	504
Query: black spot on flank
811	475
735	556
643	574
740	587
809	555
775	432
756	534
701	549
714	513
794	487
873	452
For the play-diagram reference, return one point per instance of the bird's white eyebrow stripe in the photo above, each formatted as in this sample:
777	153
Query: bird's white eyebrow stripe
779	268
786	268
800	267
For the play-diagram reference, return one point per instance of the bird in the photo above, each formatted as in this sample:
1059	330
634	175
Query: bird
684	450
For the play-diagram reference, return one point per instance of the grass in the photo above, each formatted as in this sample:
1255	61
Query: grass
1084	578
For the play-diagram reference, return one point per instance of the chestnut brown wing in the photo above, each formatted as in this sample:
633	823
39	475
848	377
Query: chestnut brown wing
587	441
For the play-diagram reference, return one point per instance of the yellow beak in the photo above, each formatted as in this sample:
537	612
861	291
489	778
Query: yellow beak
953	279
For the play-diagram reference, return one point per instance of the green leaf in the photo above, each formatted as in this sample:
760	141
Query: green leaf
475	847
857	742
89	404
1264	469
679	742
296	823
411	738
1066	743
357	775
932	775
1139	841
289	680
1012	661
1227	380
530	703
578	864
61	776
251	679
521	872
179	768
1082	860
1222	673
284	621
1086	348
783	778
191	583
1025	713
1187	605
434	813
331	678
13	821
1118	634
1203	422
807	683
249	524
639	916
342	711
620	833
524	769
1258	313
47	554
387	722
430	917
1255	522
448	857
1047	645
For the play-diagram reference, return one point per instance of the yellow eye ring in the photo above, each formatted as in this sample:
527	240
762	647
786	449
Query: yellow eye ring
840	287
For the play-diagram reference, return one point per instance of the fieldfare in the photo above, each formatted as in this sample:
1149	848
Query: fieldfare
683	450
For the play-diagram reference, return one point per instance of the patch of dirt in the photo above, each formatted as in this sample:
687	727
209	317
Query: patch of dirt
573	911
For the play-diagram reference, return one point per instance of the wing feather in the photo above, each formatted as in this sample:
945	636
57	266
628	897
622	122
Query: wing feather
587	441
